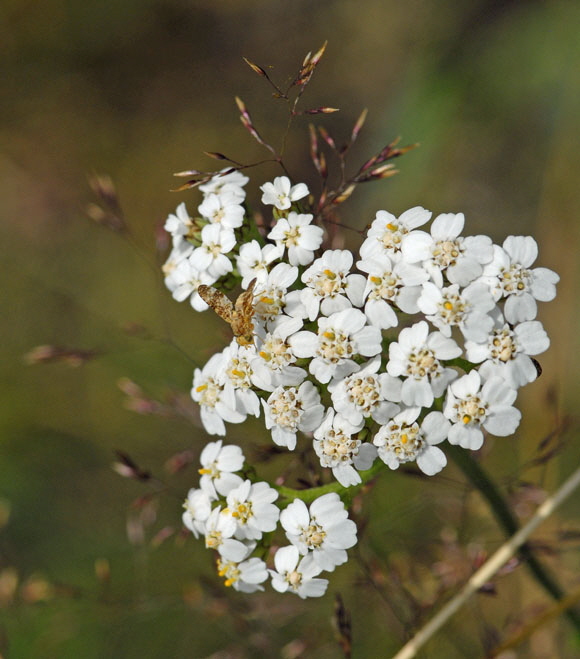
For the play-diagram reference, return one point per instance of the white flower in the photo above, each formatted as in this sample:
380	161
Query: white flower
271	294
181	251
231	183
509	276
239	371
341	337
296	578
217	466
386	233
274	365
300	237
216	242
185	281
390	282
281	193
506	352
288	410
404	440
197	510
365	394
179	224
417	357
219	529
324	530
216	396
251	506
253	261
467	309
246	576
329	286
461	259
222	209
470	406
338	450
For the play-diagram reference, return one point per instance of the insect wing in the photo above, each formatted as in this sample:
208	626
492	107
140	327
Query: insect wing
245	301
219	302
242	324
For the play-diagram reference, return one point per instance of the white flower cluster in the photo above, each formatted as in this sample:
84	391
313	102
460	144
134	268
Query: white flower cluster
233	513
329	360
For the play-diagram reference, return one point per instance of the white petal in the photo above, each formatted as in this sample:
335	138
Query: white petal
447	226
416	246
503	421
522	249
519	308
431	461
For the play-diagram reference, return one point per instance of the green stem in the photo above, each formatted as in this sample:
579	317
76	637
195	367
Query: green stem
504	516
288	494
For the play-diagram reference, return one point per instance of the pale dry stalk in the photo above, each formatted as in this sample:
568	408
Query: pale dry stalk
489	568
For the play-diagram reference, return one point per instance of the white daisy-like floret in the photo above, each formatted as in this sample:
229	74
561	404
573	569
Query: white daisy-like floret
270	299
245	576
472	405
338	450
197	510
450	307
185	279
445	251
340	337
216	242
222	209
281	193
329	285
216	396
403	440
218	464
509	276
179	224
367	394
251	506
417	357
219	531
274	366
239	371
299	236
290	409
181	250
324	530
231	183
386	234
391	282
506	352
253	261
295	576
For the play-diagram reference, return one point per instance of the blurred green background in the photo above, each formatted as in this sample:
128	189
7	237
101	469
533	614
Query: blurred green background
138	90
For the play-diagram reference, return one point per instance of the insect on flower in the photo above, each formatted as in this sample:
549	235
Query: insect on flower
238	314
